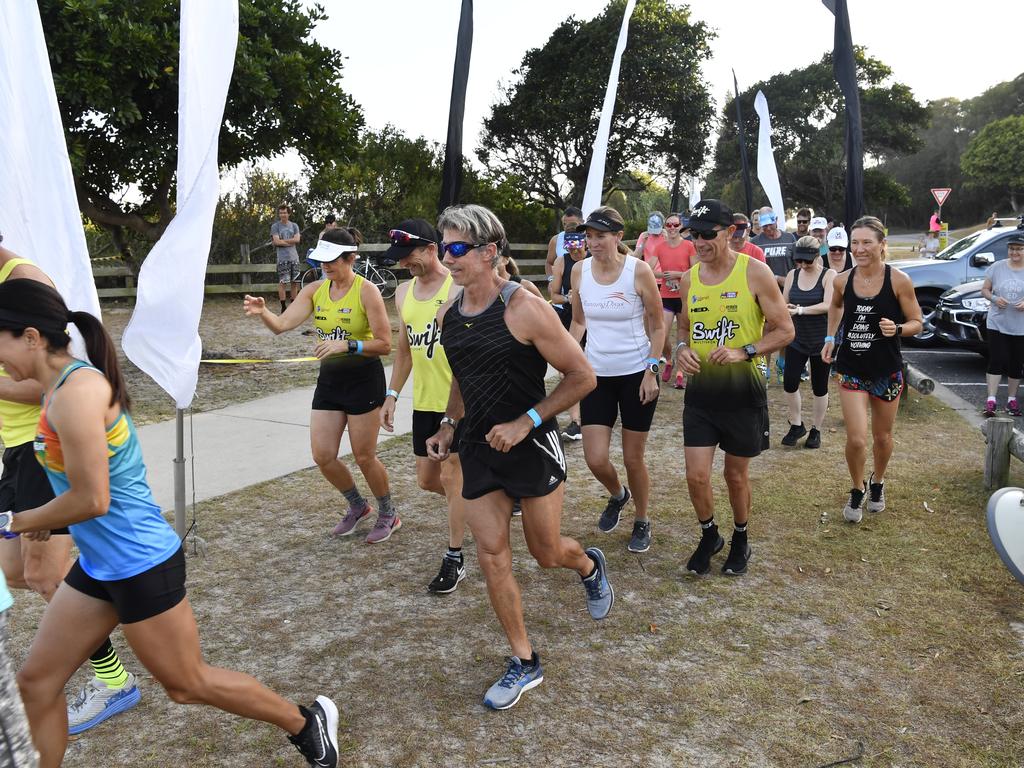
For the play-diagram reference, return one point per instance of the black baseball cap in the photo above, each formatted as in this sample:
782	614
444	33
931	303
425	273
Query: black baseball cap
600	222
708	214
422	232
1016	239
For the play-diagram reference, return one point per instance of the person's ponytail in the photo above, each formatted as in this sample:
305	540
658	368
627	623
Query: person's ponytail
103	355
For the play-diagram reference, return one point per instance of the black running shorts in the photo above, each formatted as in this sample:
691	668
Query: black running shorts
739	431
533	468
424	425
355	391
24	484
616	395
139	597
673	305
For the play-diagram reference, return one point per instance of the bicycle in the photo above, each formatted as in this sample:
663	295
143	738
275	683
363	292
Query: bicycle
382	277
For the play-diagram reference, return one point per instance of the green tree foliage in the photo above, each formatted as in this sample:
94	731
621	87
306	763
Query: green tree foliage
542	128
115	68
995	157
808	134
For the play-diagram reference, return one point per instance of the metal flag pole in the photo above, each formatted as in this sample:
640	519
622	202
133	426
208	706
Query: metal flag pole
179	472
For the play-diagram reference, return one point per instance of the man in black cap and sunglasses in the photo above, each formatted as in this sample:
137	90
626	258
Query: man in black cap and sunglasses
414	246
732	313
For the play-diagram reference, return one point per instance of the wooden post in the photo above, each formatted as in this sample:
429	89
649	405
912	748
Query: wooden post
997	452
245	262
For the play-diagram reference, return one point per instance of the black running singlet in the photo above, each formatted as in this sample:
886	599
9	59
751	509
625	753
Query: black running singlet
864	351
500	377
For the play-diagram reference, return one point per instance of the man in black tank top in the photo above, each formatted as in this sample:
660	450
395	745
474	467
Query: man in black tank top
499	341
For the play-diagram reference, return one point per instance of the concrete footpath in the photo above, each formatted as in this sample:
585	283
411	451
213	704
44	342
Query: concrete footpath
244	444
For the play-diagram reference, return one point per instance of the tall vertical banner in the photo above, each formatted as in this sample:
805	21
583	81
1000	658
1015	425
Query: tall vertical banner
162	337
39	215
451	174
696	191
741	136
595	176
767	173
844	67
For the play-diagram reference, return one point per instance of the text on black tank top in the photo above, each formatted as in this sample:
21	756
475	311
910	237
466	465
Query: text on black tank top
500	378
810	329
864	351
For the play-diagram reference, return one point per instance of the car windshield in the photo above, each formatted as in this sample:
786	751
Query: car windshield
957	248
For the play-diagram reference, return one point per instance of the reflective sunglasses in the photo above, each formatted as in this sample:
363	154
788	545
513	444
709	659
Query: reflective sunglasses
403	238
740	230
673	226
706	235
460	249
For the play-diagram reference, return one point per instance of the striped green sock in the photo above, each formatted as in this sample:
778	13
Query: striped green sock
107	666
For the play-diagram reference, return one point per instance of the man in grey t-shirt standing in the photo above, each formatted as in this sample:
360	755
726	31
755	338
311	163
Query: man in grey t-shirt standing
777	245
285	236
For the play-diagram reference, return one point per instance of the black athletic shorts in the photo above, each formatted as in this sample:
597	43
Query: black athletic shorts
533	468
24	484
140	597
739	431
424	425
616	395
1005	354
355	390
675	306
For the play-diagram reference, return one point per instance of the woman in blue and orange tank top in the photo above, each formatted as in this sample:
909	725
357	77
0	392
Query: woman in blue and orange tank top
353	332
131	568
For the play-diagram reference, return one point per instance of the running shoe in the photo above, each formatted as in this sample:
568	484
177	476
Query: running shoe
805	375
600	595
351	520
710	545
796	431
517	679
318	741
386	525
609	520
572	432
97	702
680	382
780	368
813	439
517	508
452	572
876	495
854	509
666	370
739	555
1013	407
641	539
990	408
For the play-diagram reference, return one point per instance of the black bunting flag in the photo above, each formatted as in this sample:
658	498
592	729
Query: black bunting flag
845	69
451	174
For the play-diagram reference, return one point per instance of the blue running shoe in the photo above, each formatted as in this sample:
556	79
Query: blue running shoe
506	692
96	703
600	595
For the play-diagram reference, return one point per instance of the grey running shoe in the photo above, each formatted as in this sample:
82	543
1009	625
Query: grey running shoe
609	520
517	680
876	495
641	540
710	545
572	432
351	520
318	741
385	526
854	509
600	595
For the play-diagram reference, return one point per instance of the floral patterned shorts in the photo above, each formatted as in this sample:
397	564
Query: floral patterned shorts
886	388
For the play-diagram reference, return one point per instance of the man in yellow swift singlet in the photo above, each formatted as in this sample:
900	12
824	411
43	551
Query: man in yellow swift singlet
730	299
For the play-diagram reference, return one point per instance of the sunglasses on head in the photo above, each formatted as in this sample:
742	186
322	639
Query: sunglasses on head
459	249
400	237
709	235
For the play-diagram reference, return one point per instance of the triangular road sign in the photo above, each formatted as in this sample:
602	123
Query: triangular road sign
941	194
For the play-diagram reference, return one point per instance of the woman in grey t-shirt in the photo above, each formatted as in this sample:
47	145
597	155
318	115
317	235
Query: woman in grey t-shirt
1004	288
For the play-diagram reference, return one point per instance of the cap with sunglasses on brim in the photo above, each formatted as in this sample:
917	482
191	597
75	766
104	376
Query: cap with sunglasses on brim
708	214
601	223
409	235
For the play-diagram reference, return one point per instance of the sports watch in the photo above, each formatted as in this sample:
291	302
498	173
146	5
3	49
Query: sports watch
6	518
653	365
750	350
449	421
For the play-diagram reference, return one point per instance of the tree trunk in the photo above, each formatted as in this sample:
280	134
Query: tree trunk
675	189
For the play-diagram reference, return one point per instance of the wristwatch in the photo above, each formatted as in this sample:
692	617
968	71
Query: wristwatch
653	365
6	518
750	350
449	421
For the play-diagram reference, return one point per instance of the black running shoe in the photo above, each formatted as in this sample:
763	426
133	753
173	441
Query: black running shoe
610	517
710	545
739	553
813	439
641	539
572	432
318	741
796	431
452	572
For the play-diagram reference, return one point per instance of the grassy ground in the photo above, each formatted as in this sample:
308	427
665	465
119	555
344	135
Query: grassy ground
901	638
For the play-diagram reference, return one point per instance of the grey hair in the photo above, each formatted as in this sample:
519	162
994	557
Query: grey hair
479	223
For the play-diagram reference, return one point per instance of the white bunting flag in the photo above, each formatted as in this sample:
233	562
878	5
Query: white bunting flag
767	173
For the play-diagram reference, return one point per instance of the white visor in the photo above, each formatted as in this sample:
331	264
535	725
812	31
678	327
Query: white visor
326	251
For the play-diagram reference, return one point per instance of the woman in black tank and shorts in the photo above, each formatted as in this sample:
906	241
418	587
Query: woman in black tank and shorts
807	292
877	305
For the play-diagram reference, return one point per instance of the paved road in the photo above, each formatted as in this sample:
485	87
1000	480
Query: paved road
961	371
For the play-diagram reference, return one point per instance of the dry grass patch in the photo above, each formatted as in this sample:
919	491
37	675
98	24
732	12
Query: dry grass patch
895	635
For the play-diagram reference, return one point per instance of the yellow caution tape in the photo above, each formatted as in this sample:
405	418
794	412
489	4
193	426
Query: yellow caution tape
245	360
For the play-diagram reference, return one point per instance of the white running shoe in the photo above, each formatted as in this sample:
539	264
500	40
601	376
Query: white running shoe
96	703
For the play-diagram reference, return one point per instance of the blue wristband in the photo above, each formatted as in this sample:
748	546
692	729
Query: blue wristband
652	361
391	393
535	417
830	339
359	347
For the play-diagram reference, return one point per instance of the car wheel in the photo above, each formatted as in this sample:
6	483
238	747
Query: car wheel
927	337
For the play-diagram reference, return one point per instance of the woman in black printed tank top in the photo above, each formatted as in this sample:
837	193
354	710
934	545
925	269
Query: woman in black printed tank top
877	306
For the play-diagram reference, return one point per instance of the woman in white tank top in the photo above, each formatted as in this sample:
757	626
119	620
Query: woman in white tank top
612	295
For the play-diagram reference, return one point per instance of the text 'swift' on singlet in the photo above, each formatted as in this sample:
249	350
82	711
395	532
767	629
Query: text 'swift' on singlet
132	536
17	420
341	319
431	374
500	377
724	315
